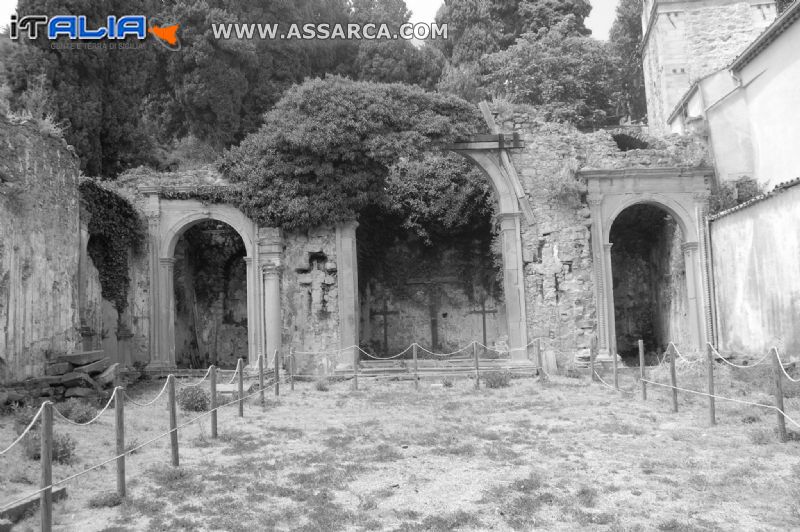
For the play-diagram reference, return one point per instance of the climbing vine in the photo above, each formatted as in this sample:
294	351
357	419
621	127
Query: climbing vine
115	230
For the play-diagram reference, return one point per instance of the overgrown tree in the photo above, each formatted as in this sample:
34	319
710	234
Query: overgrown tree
567	75
96	93
333	148
479	27
624	40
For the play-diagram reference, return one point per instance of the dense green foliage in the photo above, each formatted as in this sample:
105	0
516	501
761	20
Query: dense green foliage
624	39
115	231
333	148
567	75
536	52
97	94
479	27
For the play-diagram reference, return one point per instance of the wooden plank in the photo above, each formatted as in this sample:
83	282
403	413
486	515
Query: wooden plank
83	358
95	367
28	506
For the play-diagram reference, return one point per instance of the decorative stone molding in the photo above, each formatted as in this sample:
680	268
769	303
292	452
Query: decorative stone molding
677	191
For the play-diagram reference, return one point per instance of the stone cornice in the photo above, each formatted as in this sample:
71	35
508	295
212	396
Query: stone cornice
666	172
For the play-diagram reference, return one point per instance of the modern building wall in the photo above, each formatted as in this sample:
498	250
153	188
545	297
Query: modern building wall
756	271
685	40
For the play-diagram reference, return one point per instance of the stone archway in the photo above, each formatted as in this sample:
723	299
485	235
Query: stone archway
167	221
489	153
682	193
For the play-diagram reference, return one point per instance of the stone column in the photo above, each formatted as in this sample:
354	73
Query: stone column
608	282
695	294
153	213
347	284
254	321
267	294
163	356
514	283
599	270
271	275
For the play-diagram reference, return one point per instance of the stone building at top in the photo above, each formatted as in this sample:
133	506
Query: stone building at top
685	40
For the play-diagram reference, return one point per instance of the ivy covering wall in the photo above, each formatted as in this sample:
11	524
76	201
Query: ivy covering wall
115	231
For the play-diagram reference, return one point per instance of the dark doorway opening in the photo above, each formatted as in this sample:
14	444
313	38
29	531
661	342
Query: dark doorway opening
210	297
649	279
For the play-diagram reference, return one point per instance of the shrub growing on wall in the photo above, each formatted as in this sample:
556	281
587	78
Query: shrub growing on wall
115	230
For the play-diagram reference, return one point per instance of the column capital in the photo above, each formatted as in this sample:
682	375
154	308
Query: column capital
607	246
595	199
348	225
271	269
269	236
248	260
167	261
688	247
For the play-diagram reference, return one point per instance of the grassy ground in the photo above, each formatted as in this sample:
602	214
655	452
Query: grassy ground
563	455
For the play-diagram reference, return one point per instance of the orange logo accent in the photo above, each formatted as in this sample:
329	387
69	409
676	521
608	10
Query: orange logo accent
168	34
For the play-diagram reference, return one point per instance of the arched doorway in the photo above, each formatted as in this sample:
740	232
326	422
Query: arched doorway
210	281
648	274
169	221
679	193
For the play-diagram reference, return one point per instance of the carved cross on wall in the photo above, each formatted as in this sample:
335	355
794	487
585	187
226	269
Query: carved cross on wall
483	312
435	302
385	313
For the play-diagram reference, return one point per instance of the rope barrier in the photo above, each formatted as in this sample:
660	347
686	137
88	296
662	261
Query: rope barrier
208	372
95	418
24	432
444	355
771	407
401	353
748	366
126	453
688	361
164	389
780	363
607	385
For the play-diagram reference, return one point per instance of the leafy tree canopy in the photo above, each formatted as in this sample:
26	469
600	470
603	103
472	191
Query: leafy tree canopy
567	75
624	39
478	27
332	149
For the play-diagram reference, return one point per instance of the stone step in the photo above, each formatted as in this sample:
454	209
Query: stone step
81	358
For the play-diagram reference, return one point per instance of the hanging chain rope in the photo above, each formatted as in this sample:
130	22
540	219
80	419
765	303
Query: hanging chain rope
740	401
24	432
163	389
198	383
780	363
61	416
747	366
114	458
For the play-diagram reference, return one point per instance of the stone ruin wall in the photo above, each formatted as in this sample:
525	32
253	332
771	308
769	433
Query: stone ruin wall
716	35
39	247
310	298
126	338
557	258
408	296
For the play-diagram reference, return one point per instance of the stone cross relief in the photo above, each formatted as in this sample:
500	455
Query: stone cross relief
318	277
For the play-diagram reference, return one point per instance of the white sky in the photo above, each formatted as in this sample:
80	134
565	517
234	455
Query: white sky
425	10
599	21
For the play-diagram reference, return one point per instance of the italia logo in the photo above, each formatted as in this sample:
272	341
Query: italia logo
77	28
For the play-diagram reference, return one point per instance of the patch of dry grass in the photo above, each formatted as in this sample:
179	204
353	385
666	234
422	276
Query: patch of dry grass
569	455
